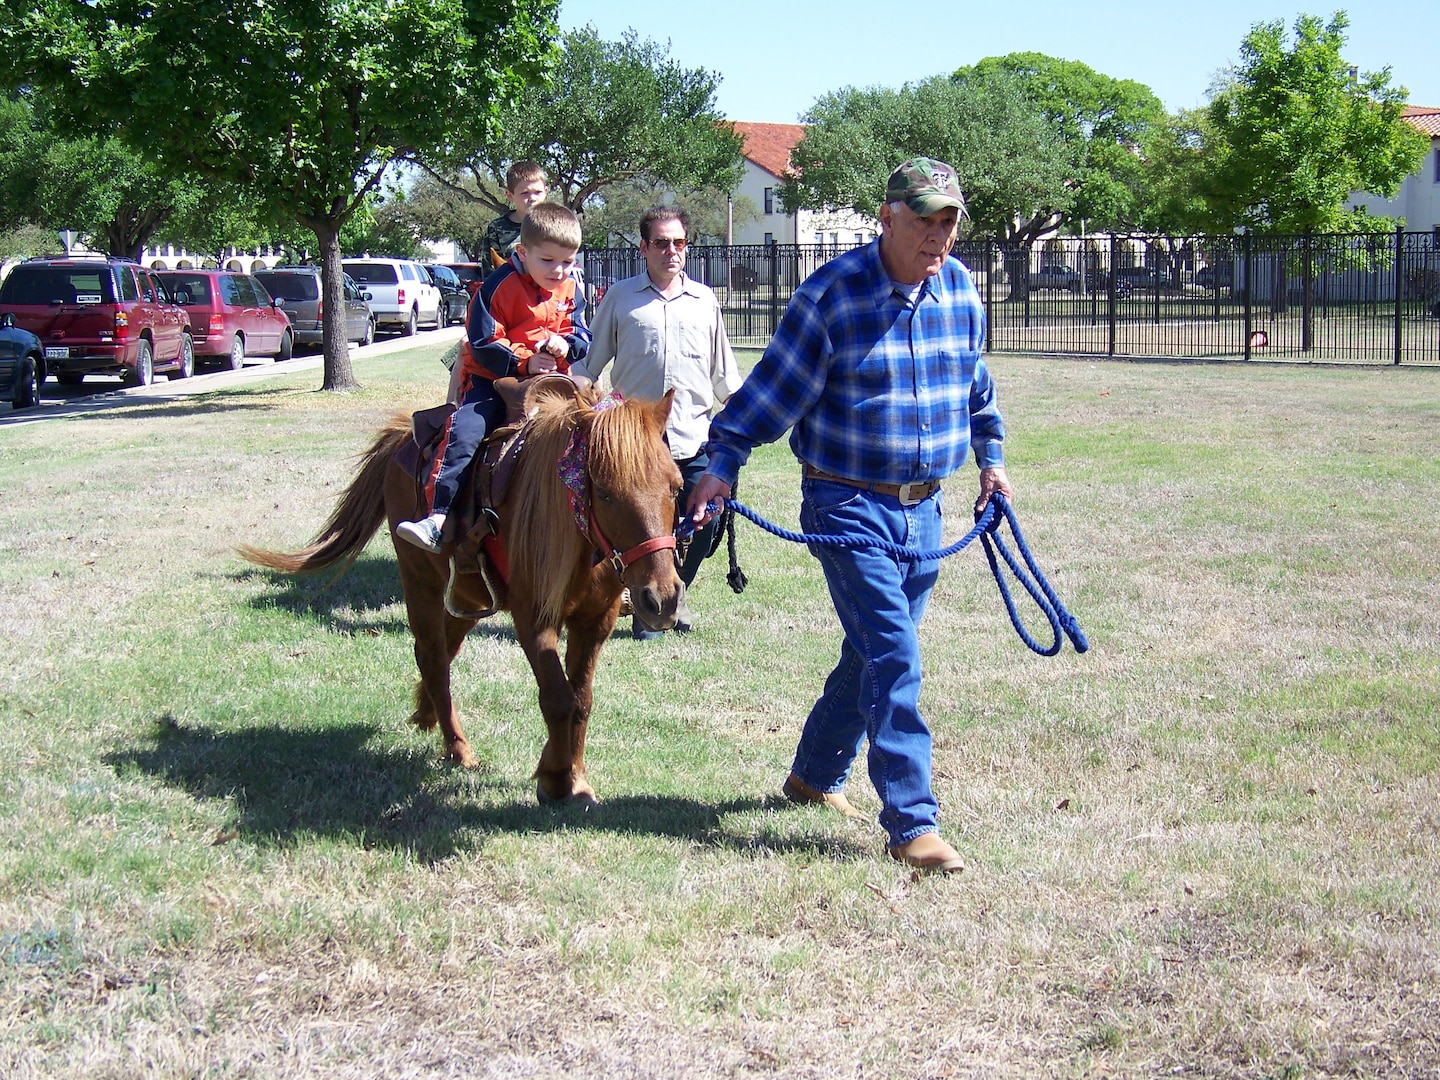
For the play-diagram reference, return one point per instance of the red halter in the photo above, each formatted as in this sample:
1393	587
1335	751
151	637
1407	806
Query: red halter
621	560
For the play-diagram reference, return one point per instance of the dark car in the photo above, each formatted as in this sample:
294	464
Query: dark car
100	316
454	297
22	363
299	287
231	315
470	274
1221	276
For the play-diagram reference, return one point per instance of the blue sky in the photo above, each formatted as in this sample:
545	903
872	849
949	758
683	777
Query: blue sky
777	57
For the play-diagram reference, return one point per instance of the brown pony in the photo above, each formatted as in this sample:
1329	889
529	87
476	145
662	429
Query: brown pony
557	576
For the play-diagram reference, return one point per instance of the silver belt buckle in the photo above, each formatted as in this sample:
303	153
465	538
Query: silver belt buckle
904	495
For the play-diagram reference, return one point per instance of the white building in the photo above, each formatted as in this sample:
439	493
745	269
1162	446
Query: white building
1418	200
767	159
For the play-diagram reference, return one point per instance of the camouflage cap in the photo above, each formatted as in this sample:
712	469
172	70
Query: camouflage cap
926	186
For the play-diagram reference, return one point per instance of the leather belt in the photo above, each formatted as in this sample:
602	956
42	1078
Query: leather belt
908	494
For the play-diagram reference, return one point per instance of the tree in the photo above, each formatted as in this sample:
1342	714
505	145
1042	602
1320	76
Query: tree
305	105
1102	120
612	112
1012	164
1296	130
95	185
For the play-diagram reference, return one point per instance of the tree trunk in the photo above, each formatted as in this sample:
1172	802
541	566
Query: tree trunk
338	375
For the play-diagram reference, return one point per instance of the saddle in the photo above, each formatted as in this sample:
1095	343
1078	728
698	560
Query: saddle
472	528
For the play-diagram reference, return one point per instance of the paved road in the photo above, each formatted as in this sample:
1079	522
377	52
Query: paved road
105	391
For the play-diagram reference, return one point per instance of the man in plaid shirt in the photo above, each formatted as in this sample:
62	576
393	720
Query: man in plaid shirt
876	371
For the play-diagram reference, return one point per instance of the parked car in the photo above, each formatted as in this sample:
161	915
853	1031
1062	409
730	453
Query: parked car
454	297
231	315
22	363
1213	277
400	292
299	287
1056	277
470	274
1128	279
95	315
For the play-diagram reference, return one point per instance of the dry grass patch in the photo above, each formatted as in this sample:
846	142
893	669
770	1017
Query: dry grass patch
1207	847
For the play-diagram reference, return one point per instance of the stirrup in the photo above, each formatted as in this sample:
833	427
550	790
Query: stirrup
461	613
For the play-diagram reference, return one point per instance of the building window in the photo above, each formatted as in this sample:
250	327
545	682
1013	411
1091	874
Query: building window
835	240
769	200
859	238
1437	164
769	239
820	239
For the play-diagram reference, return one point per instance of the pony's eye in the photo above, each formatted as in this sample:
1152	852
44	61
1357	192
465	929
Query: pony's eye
603	494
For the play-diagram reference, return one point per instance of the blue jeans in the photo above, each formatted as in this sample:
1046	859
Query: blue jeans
874	691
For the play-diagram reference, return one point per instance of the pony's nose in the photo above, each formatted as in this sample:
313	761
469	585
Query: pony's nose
655	609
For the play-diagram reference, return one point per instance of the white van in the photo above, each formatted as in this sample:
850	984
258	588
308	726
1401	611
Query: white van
400	292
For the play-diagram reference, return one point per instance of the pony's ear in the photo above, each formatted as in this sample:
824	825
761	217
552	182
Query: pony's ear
662	408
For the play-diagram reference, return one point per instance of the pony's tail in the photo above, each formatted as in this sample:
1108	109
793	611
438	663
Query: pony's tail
353	521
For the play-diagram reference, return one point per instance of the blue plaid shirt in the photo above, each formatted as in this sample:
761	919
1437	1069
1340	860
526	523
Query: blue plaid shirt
872	387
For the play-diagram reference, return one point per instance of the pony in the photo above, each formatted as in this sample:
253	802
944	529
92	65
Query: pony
589	510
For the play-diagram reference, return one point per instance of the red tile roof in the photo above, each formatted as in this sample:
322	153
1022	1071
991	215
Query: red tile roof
1423	117
769	145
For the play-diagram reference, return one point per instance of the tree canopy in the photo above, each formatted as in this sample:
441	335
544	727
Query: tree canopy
304	105
1011	164
1102	121
1295	130
611	112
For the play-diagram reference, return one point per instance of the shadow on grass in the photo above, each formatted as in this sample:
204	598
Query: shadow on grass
370	585
293	786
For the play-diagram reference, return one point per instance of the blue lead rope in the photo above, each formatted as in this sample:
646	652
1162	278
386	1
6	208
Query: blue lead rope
987	525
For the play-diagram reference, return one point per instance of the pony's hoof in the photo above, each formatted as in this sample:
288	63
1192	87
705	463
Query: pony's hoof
463	756
583	798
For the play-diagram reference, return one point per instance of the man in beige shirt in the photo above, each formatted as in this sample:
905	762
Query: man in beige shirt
663	331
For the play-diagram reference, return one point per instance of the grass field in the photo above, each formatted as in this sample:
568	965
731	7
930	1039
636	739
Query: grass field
1208	847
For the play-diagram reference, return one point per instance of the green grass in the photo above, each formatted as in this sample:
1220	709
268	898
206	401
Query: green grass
1208	846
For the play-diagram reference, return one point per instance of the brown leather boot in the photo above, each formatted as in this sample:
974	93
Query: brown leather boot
797	791
927	852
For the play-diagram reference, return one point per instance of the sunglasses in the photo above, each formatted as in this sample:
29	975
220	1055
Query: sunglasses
667	242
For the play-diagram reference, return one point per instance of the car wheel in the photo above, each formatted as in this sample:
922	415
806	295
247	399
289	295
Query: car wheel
408	328
237	353
187	358
442	316
27	390
143	373
369	338
287	347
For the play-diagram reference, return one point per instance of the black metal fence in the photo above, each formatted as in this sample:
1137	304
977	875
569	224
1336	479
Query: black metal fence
1337	298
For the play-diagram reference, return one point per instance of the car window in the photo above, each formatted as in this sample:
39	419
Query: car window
195	286
41	285
291	286
129	293
371	273
408	272
262	295
149	291
230	293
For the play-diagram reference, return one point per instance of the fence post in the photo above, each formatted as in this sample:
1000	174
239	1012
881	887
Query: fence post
1249	249
989	295
1110	295
1399	290
773	251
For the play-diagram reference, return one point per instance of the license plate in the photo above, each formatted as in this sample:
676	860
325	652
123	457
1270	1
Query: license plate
57	352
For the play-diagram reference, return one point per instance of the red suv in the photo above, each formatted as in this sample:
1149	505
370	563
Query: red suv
99	316
231	315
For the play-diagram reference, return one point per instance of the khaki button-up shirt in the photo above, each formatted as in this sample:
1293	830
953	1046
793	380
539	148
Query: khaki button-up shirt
657	344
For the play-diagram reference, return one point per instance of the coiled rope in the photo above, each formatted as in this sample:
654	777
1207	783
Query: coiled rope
987	525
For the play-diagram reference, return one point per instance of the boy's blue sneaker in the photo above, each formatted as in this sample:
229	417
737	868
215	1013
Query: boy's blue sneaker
424	533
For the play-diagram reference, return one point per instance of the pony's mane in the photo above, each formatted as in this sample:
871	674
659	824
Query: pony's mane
547	550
